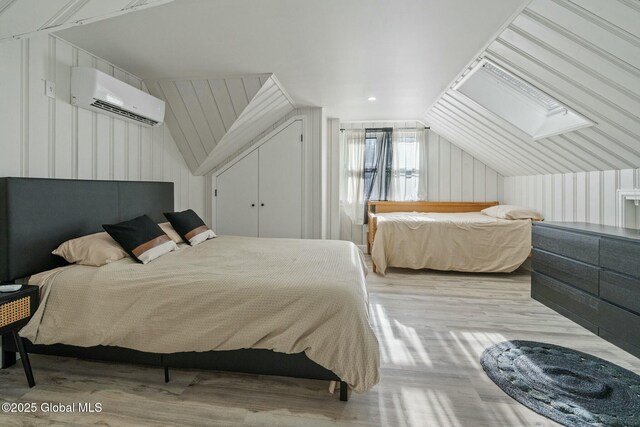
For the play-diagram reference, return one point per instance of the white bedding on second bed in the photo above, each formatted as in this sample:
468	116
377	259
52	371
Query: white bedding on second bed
470	242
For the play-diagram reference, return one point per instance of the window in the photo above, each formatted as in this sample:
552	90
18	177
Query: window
515	100
381	164
378	156
372	152
406	171
402	168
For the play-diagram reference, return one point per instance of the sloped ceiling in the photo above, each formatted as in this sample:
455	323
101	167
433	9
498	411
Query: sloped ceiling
212	118
585	53
327	53
21	18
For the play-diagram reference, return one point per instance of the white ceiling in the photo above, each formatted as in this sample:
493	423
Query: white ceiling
585	54
329	53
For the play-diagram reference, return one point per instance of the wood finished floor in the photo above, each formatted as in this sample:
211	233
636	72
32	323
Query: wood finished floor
432	328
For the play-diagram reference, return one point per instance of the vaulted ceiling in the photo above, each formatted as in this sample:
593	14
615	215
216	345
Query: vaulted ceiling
586	54
22	18
327	53
210	118
336	53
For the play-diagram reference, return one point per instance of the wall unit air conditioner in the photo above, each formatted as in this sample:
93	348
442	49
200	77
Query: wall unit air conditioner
97	91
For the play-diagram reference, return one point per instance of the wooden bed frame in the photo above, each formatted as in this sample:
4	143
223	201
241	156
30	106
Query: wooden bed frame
376	207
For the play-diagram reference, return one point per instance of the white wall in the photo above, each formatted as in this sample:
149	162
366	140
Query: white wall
50	138
331	179
45	137
581	196
454	175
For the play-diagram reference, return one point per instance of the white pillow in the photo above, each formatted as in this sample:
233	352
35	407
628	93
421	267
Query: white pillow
157	251
512	212
201	237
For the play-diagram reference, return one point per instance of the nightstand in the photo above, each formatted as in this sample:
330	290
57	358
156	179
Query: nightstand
16	308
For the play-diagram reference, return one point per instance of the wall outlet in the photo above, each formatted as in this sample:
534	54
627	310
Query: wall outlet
50	88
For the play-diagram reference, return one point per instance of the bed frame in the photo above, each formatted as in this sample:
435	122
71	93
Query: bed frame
376	207
36	215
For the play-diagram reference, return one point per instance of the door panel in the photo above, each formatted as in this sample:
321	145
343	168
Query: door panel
280	184
237	191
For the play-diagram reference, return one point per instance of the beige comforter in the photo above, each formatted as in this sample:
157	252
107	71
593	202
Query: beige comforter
470	242
228	293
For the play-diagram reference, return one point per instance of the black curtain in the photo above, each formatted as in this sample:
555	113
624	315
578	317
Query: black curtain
378	158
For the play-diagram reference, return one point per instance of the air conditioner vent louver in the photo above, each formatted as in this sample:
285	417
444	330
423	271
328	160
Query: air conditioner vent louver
94	90
117	110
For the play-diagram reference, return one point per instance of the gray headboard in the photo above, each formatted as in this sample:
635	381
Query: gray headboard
38	214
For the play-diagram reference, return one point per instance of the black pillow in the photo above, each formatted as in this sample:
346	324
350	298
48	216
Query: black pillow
141	238
189	226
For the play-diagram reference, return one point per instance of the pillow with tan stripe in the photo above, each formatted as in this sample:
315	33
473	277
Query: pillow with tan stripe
190	226
141	238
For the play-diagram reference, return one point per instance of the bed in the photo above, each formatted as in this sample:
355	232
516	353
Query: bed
266	306
450	236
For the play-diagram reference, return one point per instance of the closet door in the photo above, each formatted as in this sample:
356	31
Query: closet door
280	184
237	199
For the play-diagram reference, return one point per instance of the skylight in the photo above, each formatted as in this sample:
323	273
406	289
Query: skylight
523	105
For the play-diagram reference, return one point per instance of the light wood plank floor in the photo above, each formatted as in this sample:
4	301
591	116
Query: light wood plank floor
432	329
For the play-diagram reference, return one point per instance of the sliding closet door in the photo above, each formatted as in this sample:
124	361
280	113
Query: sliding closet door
281	184
237	200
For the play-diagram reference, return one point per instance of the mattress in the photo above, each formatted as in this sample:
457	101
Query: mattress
228	293
470	242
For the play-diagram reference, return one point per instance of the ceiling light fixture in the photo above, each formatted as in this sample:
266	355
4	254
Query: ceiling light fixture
371	98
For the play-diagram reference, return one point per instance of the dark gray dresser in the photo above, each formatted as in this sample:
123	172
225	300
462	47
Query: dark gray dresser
591	274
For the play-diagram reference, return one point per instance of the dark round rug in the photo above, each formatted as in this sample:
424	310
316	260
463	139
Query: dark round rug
570	387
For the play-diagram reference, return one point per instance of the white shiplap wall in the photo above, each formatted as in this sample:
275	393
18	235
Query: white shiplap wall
581	196
585	53
454	175
331	179
210	118
47	137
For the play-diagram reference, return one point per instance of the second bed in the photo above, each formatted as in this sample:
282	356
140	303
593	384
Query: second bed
461	240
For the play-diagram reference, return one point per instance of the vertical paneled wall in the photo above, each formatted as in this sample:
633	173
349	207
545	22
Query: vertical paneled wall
581	196
331	163
453	175
584	53
211	118
48	137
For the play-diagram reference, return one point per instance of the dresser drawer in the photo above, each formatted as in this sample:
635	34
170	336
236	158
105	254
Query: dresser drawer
620	256
575	273
621	290
573	303
617	341
620	323
581	247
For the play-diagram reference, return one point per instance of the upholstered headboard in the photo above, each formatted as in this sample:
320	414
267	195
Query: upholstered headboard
38	214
